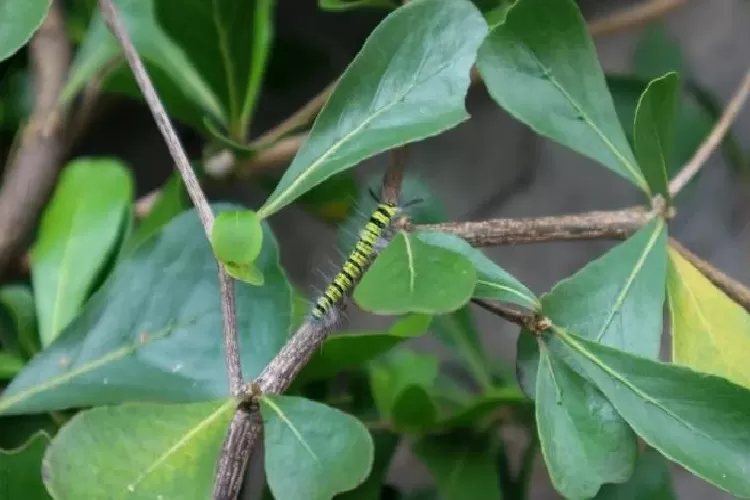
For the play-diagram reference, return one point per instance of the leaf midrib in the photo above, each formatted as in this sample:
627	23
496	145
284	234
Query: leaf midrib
585	117
631	278
62	277
183	441
614	374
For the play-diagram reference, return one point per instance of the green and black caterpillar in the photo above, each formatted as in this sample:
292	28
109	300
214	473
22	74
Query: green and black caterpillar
354	266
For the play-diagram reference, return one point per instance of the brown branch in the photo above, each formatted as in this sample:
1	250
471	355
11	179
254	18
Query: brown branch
632	16
226	285
278	375
617	224
299	118
244	430
524	319
733	288
32	170
279	154
691	168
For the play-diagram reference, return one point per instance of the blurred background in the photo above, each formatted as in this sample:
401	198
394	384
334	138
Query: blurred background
491	165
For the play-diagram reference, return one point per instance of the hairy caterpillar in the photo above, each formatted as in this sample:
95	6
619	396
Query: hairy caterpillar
354	266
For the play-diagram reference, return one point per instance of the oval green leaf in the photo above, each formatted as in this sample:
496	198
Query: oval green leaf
695	419
139	451
458	331
312	451
153	331
618	299
171	202
21	469
710	332
183	89
385	443
10	365
651	480
580	431
402	385
346	351
237	238
408	82
19	19
493	282
228	42
19	303
463	466
654	130
78	232
540	65
412	276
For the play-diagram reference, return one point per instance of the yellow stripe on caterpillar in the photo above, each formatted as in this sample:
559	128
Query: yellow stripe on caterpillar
354	265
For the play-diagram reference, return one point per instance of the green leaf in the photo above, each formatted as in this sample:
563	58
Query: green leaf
139	450
19	302
475	410
312	451
237	238
695	419
153	331
412	276
171	202
344	5
654	128
10	365
493	282
385	444
401	387
19	19
458	331
709	330
618	299
407	83
228	42
651	480
527	362
78	232
657	53
541	66
21	470
347	351
333	200
579	431
462	465
692	125
179	83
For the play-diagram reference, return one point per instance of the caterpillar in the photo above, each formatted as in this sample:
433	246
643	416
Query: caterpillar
354	266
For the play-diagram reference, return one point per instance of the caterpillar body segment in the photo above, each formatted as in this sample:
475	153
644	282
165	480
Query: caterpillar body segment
353	268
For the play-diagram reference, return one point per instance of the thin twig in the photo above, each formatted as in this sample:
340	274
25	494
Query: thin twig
226	284
279	154
733	288
112	18
711	142
616	224
524	319
394	175
632	16
32	170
